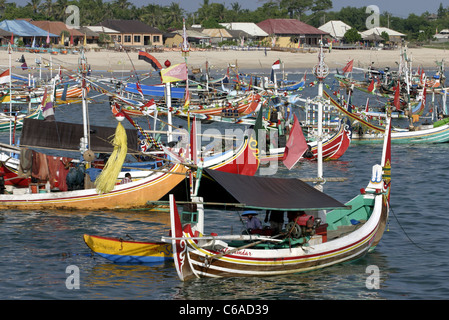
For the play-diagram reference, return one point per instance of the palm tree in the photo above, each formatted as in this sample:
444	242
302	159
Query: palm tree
47	8
59	9
35	5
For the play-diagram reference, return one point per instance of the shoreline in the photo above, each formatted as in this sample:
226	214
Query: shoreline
219	60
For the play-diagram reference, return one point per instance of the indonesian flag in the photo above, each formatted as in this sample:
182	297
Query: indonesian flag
5	77
348	67
296	145
276	65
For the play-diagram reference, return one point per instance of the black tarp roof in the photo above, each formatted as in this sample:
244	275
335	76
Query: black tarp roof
66	136
265	192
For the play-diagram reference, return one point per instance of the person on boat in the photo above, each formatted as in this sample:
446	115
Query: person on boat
252	223
276	219
127	178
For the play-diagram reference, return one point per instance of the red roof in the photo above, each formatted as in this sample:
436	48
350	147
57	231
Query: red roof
288	26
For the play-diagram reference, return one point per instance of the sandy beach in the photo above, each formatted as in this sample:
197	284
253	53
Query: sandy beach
246	60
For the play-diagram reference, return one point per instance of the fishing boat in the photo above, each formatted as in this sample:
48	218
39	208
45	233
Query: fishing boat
119	250
350	231
368	133
10	123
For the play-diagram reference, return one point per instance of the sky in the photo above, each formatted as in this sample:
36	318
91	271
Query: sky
399	8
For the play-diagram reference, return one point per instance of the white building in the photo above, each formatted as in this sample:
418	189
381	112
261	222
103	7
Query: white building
335	28
249	27
394	35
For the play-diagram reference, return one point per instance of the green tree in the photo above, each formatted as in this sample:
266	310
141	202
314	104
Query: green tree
352	35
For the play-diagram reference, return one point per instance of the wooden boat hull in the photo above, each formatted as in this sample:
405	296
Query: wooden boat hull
121	251
135	194
428	135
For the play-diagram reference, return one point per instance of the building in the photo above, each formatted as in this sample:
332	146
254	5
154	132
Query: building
5	37
291	33
58	27
27	32
336	29
393	35
134	33
217	35
442	36
194	37
92	37
249	30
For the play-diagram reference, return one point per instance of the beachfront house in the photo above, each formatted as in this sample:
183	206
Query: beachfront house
442	36
25	33
195	38
133	33
245	30
336	29
291	33
394	36
5	37
59	27
217	35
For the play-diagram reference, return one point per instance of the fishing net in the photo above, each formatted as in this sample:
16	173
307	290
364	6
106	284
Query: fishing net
105	182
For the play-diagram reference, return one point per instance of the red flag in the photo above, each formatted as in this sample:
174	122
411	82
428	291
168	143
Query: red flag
348	67
397	99
296	145
371	86
12	39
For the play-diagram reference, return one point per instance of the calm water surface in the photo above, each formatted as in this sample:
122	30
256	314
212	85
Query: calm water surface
38	246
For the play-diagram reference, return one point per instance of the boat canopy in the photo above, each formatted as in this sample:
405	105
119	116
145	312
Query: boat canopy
66	136
267	193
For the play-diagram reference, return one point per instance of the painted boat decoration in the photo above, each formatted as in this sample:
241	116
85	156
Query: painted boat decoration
350	231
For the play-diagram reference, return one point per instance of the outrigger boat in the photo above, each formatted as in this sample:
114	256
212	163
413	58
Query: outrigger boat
349	231
437	132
